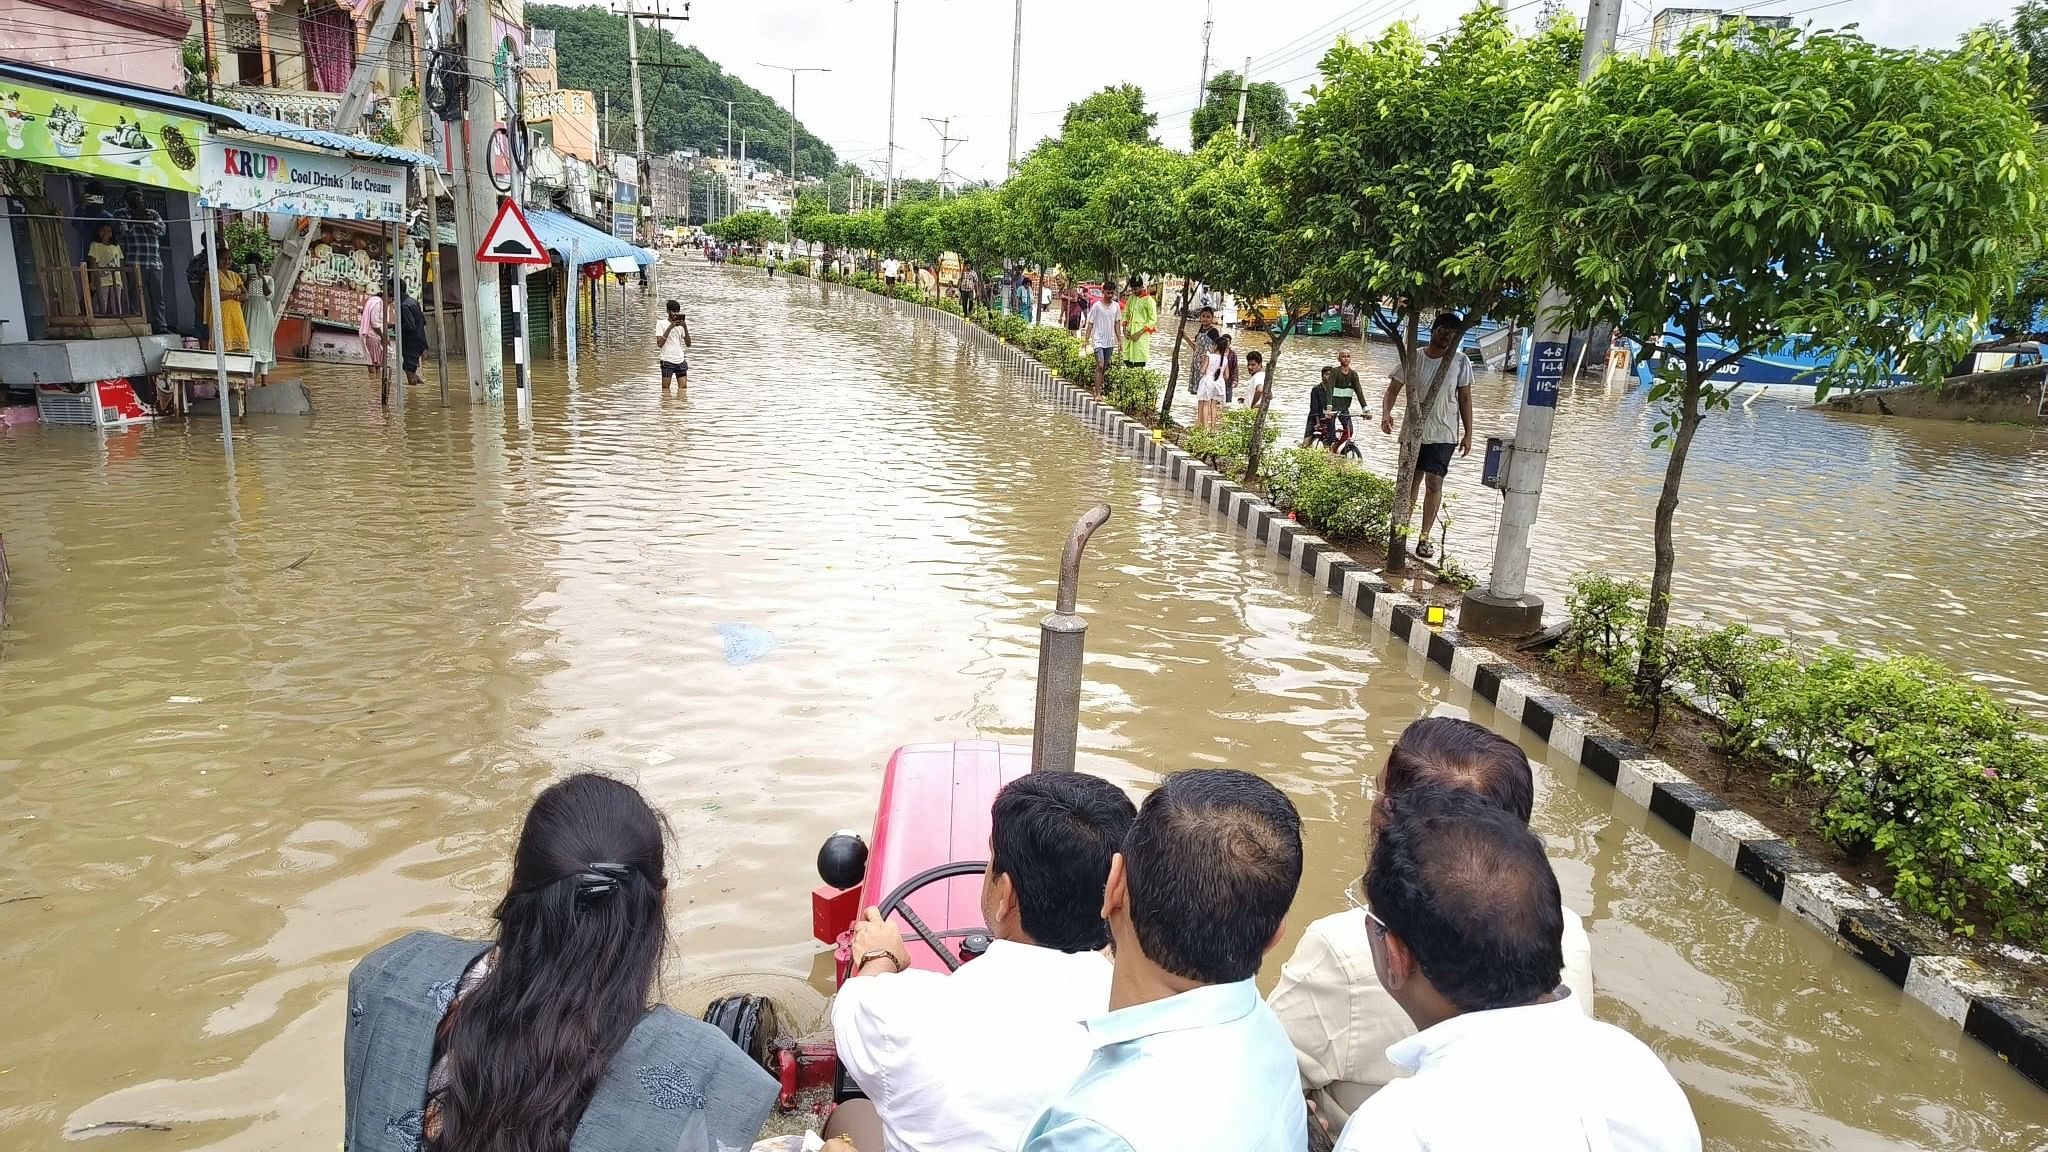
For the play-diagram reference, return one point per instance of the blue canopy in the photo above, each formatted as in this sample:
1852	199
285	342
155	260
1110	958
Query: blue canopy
558	231
212	113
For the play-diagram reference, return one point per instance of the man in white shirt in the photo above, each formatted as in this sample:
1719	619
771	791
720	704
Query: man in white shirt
891	269
1442	413
967	1061
1338	1015
1105	316
1462	915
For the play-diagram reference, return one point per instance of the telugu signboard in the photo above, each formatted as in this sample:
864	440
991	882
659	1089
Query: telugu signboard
63	130
250	177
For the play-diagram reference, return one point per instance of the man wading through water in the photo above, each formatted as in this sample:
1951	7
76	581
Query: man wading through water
1440	420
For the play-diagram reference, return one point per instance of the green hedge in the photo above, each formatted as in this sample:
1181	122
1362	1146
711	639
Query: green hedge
1332	495
1230	445
1898	756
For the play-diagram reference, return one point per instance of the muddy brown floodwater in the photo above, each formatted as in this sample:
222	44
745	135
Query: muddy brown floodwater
1866	532
249	731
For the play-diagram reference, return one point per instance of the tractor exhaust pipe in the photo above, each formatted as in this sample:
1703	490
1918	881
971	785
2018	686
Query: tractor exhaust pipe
1056	730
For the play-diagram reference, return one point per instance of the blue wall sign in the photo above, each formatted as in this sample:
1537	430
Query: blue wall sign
1546	373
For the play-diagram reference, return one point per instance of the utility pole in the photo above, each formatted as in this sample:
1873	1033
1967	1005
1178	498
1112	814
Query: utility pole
728	158
639	125
947	142
486	335
790	217
889	189
1504	607
1244	89
430	252
1208	26
1016	75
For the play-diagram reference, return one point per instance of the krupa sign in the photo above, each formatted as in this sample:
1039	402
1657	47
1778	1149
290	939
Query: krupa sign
247	178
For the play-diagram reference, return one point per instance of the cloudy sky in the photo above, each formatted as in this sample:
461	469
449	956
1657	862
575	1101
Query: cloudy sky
955	55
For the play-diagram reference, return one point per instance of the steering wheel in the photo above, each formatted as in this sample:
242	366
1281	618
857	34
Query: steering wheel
896	902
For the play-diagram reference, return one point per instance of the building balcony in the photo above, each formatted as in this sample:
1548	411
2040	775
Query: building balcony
307	109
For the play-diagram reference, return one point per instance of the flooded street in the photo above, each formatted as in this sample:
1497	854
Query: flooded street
248	732
1860	531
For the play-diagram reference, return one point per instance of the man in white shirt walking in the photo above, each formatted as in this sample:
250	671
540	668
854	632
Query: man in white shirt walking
1338	1015
1105	316
965	1062
1462	914
1442	413
892	268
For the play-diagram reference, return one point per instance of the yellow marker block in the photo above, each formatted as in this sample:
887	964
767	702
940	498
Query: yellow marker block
1434	615
1158	435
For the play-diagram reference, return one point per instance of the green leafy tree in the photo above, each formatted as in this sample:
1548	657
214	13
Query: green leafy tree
684	98
1758	185
1235	237
1386	172
1100	196
1117	113
1266	115
756	228
2029	32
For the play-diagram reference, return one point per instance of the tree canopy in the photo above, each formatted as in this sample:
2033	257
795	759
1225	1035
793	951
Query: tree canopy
684	98
1761	184
1266	114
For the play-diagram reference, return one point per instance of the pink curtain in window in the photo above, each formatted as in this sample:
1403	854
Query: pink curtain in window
330	38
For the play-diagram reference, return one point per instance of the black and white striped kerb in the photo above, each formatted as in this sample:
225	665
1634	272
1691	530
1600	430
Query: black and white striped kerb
1909	950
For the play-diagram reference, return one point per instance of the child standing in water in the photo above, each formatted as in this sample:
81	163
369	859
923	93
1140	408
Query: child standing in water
674	343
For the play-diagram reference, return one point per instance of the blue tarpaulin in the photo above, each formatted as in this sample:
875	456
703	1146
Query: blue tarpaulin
559	232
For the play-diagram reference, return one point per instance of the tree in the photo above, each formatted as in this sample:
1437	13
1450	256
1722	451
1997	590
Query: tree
1266	116
1099	197
1387	170
1759	185
684	99
2029	33
1237	239
1116	113
756	228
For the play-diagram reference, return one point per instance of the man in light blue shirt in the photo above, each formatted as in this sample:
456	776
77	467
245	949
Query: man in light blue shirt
1189	1058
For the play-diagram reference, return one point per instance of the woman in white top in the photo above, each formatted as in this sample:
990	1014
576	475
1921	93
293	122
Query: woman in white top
1209	394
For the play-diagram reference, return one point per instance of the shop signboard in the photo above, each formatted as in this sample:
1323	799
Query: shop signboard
625	199
246	176
65	130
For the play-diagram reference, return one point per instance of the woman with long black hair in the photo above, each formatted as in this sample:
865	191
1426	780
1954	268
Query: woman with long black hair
544	1041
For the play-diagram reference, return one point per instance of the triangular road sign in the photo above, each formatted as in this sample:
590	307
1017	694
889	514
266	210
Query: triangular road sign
511	240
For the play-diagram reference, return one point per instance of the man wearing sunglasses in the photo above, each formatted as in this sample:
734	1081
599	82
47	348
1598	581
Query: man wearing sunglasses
1463	918
1339	1017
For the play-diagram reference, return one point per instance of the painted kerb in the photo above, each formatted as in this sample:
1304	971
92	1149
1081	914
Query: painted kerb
1907	949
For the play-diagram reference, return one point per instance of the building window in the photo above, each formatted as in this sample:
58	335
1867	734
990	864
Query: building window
244	40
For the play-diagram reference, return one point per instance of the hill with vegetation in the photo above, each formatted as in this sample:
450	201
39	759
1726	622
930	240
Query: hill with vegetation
685	91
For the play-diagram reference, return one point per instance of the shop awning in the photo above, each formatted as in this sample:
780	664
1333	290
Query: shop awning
213	114
559	231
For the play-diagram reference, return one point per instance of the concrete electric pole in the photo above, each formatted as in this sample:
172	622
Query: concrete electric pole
639	124
889	188
1505	607
1244	89
483	339
1016	75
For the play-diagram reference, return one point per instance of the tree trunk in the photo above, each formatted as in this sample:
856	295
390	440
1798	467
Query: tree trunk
1650	661
1258	445
1180	329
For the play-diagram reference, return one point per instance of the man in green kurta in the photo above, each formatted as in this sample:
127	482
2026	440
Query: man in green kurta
1141	320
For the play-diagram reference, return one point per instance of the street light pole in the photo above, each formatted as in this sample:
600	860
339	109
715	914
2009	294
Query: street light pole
889	188
1504	607
1016	74
789	218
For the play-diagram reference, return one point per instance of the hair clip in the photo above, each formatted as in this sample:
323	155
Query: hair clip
600	880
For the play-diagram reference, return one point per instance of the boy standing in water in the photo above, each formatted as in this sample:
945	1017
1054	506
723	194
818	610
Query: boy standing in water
674	343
